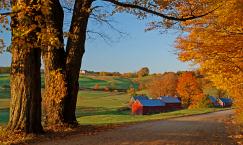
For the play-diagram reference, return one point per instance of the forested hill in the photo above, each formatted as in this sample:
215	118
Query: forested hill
4	70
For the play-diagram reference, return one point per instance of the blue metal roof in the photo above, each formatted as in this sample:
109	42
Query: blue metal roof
140	98
152	102
213	99
169	99
226	100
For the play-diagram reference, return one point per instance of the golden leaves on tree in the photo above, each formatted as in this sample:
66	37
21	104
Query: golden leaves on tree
215	43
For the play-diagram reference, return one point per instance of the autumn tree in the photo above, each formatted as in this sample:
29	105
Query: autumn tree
54	57
214	42
164	85
189	90
25	106
143	72
96	86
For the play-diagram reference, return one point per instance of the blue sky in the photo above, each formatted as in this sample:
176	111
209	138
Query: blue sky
129	53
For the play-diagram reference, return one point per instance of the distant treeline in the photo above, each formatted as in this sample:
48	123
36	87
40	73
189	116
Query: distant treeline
141	73
4	70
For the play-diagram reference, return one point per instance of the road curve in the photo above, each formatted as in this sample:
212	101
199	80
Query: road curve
206	129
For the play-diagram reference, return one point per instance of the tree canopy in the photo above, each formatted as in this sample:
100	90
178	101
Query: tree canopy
164	85
215	43
189	90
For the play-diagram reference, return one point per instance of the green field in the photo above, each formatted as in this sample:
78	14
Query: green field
89	102
100	107
106	81
4	86
84	82
120	117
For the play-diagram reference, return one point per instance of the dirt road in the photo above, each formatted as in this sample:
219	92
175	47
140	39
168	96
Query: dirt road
207	129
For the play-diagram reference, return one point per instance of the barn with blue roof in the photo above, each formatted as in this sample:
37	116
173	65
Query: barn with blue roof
148	106
139	97
225	102
214	101
172	103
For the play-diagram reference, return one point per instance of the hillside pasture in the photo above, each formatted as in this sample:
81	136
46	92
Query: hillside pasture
111	82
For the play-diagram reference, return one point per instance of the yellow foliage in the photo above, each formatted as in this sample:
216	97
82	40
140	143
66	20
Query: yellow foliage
215	43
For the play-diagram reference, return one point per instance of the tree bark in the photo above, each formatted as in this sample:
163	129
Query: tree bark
75	50
25	106
54	60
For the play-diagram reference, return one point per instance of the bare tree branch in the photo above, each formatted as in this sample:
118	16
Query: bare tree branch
129	5
9	13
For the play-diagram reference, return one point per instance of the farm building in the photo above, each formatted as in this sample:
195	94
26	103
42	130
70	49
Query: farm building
225	102
214	101
149	106
171	102
134	98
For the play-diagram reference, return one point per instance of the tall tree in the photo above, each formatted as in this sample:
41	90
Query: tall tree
54	60
75	50
214	42
25	106
164	85
189	90
143	72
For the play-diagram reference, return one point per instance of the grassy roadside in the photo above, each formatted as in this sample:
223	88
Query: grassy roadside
125	116
98	123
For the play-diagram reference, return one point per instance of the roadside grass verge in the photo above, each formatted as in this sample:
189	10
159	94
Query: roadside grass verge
123	117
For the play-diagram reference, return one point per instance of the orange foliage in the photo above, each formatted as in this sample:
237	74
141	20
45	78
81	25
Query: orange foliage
214	42
164	85
96	86
189	90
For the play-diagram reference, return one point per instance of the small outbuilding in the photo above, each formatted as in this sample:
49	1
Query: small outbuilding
149	106
225	102
172	103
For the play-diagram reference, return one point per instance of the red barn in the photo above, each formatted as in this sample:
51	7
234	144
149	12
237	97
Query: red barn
144	107
172	103
134	98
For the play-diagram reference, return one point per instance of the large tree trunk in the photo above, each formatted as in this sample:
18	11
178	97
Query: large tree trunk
75	51
54	60
25	107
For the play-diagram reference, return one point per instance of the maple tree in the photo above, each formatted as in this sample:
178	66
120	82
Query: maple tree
164	85
25	106
215	43
189	90
143	72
